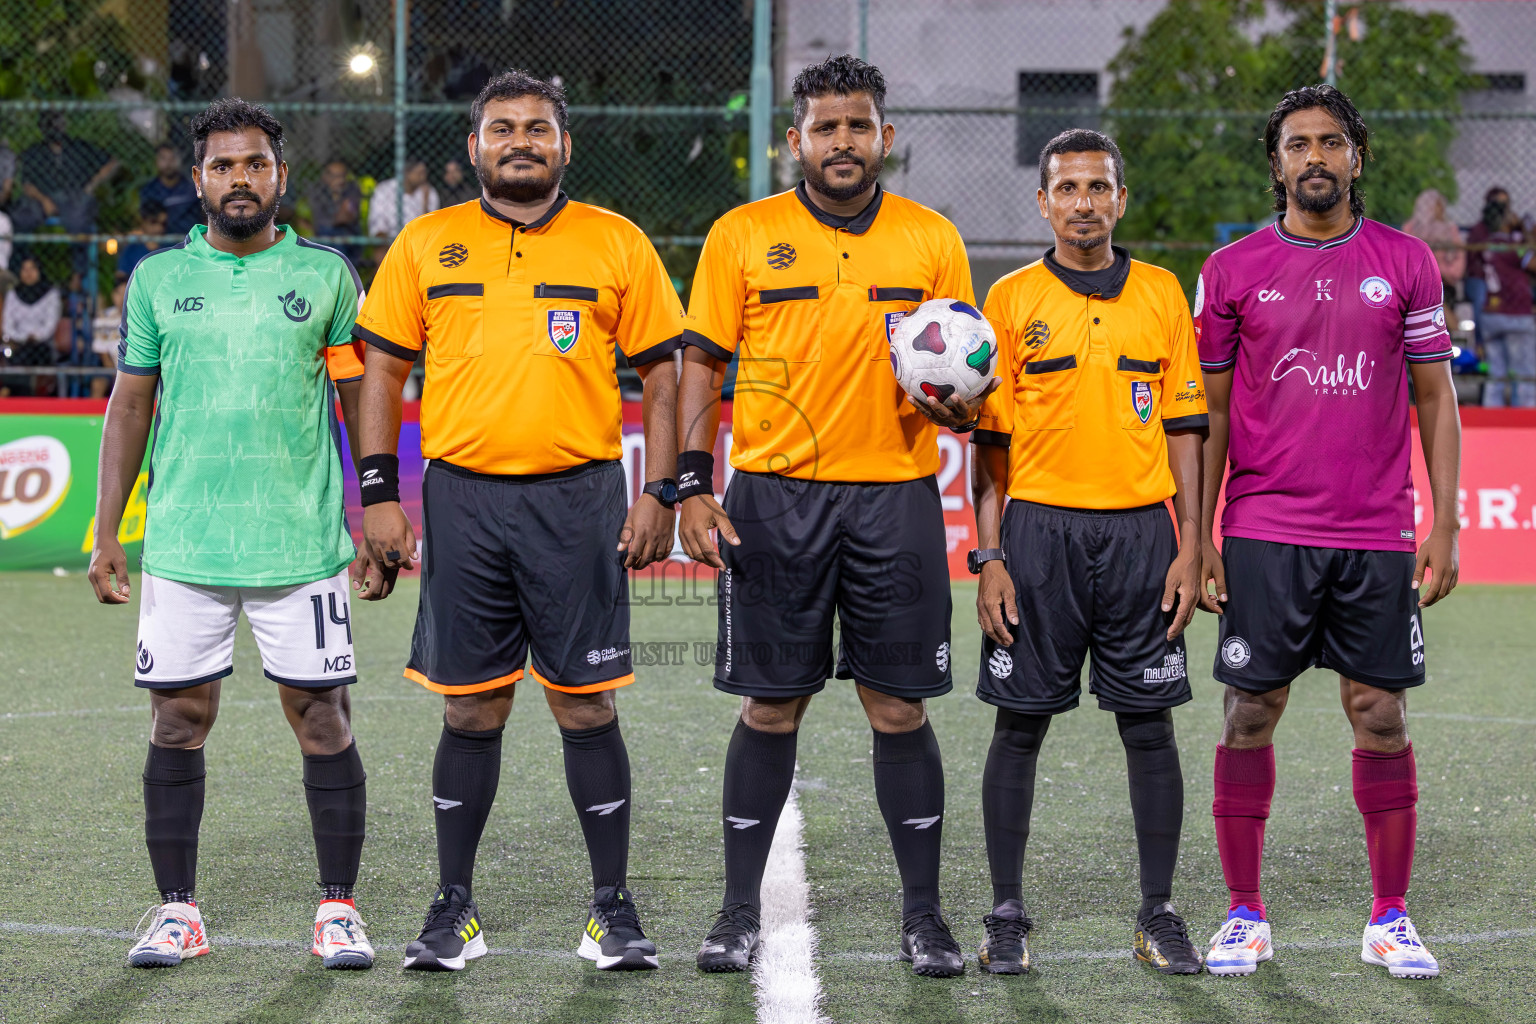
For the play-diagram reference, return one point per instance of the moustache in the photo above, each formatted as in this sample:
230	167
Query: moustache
240	194
834	161
1317	172
522	154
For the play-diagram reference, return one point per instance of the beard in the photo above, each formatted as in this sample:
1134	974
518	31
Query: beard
240	228
1313	202
816	177
522	188
1086	242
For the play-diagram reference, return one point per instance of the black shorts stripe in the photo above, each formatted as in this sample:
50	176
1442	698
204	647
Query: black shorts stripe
177	684
311	684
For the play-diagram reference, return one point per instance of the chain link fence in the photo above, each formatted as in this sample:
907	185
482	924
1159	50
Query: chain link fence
95	96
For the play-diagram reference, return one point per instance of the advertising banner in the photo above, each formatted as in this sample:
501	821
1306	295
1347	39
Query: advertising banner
48	487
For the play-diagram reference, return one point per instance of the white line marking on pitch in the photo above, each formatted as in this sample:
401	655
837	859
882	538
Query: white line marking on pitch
784	974
224	705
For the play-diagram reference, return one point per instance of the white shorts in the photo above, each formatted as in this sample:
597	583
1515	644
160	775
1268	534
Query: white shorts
187	632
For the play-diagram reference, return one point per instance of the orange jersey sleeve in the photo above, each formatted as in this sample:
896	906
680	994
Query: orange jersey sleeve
1183	385
995	425
391	315
651	314
718	297
344	362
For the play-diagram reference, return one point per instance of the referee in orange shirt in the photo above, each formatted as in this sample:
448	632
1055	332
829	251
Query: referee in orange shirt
834	503
1097	423
520	298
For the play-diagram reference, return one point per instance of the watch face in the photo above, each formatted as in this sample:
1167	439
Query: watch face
669	491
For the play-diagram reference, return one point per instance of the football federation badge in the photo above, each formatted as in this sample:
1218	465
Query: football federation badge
891	320
1141	399
564	328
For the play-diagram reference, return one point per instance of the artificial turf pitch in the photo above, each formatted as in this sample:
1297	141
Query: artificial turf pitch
72	740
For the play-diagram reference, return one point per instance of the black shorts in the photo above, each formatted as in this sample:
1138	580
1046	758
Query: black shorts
872	553
517	562
1290	608
1087	582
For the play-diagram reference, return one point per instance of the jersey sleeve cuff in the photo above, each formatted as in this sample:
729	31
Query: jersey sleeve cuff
138	371
384	344
1199	421
1429	357
703	344
1218	367
996	438
655	352
346	380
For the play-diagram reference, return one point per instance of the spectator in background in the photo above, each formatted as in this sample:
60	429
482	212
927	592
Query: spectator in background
384	221
335	202
153	220
61	174
104	338
27	325
6	231
458	187
1444	238
7	178
173	191
1508	328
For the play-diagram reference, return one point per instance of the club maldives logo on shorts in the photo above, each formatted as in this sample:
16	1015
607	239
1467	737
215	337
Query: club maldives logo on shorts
564	328
295	307
1375	291
1141	399
34	478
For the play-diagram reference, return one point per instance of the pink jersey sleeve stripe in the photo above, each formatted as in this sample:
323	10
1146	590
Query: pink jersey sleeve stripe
1429	357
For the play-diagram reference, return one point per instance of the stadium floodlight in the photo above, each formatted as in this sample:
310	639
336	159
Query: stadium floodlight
360	63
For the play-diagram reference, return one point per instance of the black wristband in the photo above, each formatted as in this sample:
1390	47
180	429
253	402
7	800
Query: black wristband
379	476
695	474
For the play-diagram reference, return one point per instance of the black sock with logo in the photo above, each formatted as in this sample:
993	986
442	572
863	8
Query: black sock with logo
597	774
909	786
465	775
173	813
1008	797
759	770
335	787
1157	799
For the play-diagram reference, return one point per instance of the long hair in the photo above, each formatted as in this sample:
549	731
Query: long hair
1338	106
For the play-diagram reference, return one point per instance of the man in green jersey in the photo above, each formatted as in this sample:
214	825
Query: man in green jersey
236	328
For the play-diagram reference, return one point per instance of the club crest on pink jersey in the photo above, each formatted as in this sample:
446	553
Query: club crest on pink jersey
1375	291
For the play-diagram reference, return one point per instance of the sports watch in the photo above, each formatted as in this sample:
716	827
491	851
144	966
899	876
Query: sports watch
664	491
978	557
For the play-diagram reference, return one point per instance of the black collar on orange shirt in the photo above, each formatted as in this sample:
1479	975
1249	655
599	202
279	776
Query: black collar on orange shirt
1106	283
550	214
856	225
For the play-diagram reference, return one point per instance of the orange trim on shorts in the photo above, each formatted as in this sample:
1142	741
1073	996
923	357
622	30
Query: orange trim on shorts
610	684
456	691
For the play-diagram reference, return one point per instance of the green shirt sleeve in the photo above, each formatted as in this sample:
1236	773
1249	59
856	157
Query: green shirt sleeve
349	299
138	350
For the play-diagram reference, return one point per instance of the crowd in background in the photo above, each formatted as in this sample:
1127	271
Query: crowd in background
57	311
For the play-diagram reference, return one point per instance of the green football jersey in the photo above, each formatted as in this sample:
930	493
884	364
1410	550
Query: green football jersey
245	479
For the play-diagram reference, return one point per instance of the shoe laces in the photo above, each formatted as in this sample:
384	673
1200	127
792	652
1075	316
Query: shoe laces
620	911
158	918
348	921
1168	927
1235	932
736	919
1007	929
442	912
1404	934
928	926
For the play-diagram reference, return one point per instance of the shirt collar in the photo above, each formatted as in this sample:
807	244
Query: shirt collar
1314	243
856	225
197	241
1121	269
561	200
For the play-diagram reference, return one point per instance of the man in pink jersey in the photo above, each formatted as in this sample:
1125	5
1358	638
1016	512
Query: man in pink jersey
1305	330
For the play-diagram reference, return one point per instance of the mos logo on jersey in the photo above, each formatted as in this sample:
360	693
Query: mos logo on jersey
1141	399
452	255
295	307
1037	333
564	328
781	256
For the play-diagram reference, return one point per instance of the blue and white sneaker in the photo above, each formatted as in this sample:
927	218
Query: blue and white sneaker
1391	941
1242	944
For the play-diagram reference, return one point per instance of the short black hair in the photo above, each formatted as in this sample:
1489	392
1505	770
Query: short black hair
513	84
1081	140
167	147
843	75
231	115
151	208
1339	107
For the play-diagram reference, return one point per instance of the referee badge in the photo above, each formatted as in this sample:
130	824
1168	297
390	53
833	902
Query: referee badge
1141	399
564	328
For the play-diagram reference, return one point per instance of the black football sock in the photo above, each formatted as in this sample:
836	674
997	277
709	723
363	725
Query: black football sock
909	786
759	769
1157	799
465	775
173	811
1008	797
337	792
597	774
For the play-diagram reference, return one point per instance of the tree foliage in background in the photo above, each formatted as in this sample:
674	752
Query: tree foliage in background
1193	89
61	49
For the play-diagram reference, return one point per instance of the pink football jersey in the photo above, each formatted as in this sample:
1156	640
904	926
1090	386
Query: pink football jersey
1320	335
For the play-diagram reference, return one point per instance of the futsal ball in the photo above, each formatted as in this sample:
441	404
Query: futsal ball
943	347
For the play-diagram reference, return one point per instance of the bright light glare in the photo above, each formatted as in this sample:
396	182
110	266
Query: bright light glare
1468	325
360	64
